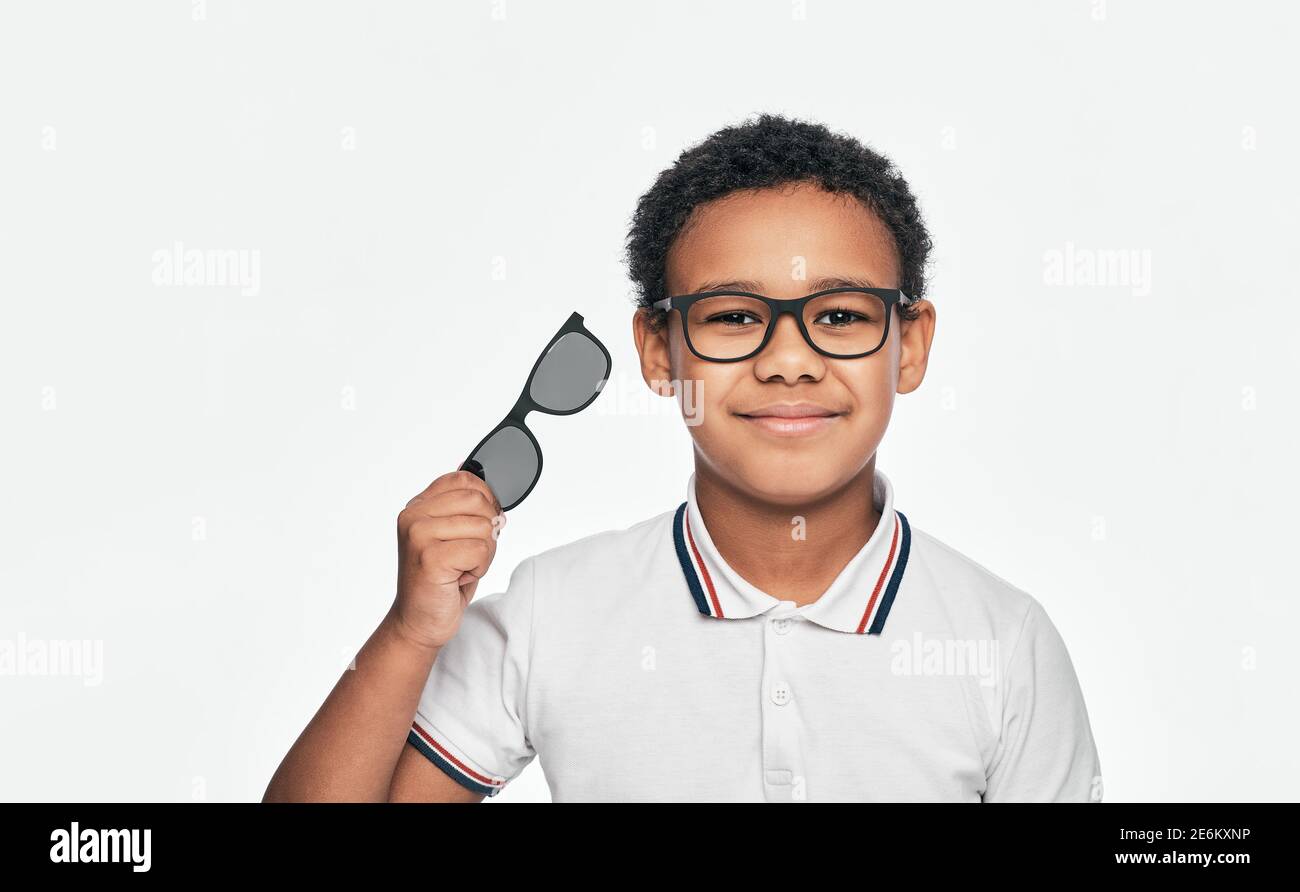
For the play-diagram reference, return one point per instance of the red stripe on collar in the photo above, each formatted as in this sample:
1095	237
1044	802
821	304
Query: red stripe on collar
880	583
704	571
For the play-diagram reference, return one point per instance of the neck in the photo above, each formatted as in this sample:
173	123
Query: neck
765	543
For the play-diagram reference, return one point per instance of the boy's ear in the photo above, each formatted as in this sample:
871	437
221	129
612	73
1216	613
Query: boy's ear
915	336
652	347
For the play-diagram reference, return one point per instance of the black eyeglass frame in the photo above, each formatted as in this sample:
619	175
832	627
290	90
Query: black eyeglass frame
525	404
794	306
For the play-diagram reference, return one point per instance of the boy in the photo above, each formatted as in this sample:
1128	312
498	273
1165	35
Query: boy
783	634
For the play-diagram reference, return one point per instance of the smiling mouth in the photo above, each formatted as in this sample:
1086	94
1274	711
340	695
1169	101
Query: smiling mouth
795	420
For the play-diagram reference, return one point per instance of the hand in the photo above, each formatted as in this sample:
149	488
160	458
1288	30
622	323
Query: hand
446	540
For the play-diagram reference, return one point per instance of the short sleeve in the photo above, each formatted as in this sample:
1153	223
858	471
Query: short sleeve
1045	751
470	721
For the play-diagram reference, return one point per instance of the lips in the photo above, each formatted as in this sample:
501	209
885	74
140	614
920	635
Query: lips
791	419
789	410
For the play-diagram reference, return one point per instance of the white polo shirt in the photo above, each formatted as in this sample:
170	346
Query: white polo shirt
640	667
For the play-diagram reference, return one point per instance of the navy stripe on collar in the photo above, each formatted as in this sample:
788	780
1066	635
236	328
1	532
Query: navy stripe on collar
684	556
895	578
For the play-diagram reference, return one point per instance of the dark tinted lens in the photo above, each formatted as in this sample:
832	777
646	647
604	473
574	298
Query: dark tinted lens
570	374
510	464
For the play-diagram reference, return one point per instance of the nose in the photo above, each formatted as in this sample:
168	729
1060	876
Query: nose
787	356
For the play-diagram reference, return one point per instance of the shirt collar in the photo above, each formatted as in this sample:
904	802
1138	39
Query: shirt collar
858	601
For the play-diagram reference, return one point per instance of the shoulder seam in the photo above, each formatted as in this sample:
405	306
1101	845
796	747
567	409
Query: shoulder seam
1002	702
1020	636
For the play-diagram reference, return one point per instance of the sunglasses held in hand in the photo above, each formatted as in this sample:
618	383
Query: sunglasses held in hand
566	378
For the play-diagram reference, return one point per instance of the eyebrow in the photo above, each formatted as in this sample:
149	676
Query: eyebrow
821	284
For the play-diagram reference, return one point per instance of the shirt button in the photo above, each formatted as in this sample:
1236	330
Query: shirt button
781	693
782	625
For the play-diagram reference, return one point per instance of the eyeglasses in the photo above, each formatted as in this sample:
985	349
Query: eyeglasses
569	374
842	323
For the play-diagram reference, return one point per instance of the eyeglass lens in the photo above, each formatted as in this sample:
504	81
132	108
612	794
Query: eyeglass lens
510	464
570	374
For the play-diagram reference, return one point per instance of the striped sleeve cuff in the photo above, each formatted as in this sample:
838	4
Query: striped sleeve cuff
452	760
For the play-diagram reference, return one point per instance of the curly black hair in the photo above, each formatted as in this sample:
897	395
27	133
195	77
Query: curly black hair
771	150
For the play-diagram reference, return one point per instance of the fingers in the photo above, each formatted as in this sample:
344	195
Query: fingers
459	480
446	504
454	526
449	561
446	539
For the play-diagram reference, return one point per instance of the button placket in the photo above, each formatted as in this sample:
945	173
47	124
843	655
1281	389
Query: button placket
781	733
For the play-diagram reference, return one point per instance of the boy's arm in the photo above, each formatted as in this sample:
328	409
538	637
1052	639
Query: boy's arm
419	780
351	748
354	749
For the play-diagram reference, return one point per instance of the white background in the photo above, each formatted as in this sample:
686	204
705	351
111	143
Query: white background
206	482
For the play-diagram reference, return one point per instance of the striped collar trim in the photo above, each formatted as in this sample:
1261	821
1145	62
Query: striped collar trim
858	601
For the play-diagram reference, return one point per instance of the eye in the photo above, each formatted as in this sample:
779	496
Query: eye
839	317
729	313
734	317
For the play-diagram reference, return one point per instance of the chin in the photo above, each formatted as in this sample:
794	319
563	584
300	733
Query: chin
785	479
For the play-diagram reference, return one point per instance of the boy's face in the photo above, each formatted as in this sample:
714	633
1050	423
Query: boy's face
783	242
